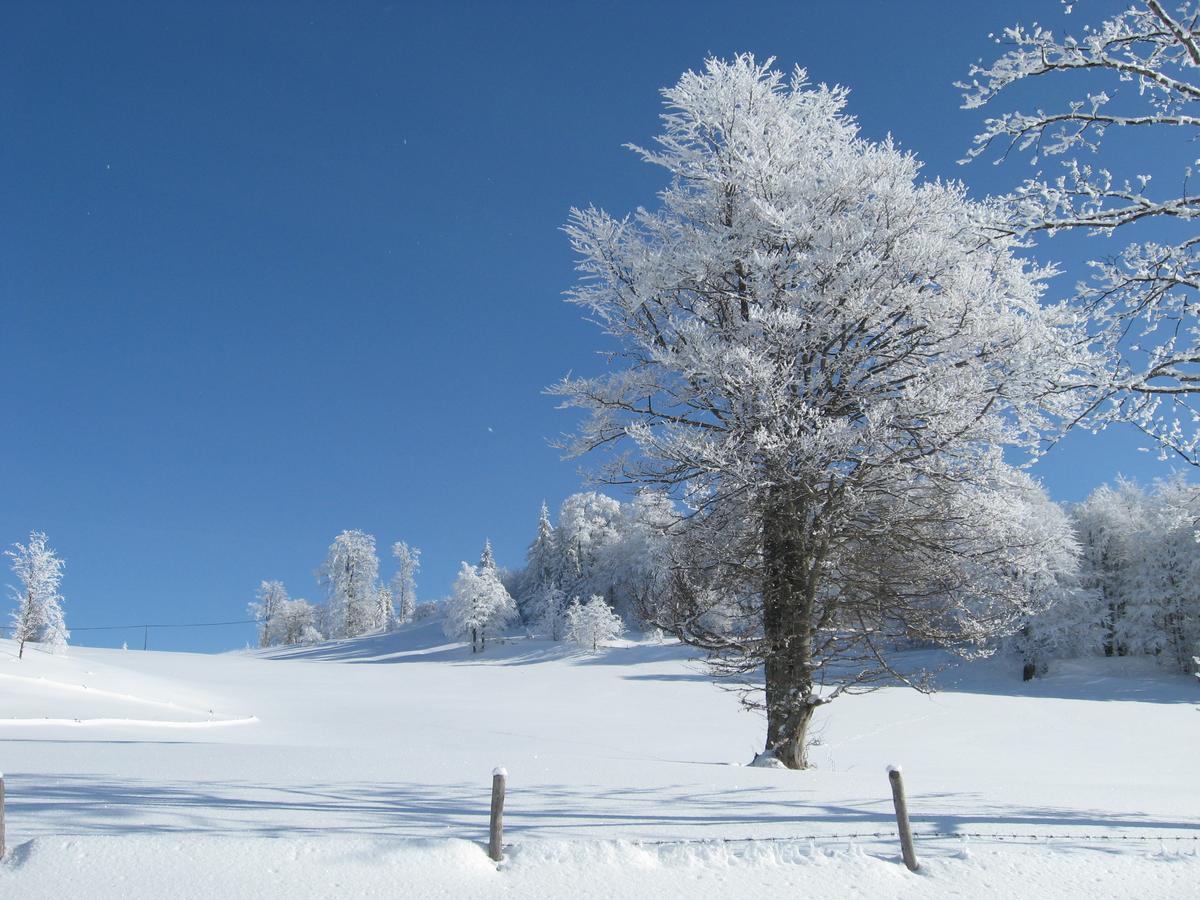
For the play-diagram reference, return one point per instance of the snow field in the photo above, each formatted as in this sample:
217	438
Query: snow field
363	767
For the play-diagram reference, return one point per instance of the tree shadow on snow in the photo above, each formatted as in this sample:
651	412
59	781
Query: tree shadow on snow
83	804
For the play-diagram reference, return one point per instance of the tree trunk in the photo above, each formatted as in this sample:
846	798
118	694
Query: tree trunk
789	588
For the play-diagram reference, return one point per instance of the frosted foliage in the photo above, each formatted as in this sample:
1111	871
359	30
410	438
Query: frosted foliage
1141	568
39	613
404	582
1135	75
297	623
479	606
385	609
350	575
266	609
600	546
593	623
823	357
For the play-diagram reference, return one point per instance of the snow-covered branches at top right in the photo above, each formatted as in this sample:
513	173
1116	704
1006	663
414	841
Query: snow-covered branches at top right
1134	76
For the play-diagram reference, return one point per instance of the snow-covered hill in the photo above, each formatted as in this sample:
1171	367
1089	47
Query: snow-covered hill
363	768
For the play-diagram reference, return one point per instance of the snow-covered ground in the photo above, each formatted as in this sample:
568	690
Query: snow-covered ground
364	769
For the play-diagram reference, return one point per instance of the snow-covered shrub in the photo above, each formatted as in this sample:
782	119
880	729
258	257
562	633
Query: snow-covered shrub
593	623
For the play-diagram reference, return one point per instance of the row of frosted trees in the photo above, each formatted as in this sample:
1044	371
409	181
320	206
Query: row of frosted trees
1137	587
1125	579
357	602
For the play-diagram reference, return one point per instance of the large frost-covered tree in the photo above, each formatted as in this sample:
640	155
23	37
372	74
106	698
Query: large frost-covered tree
350	574
1132	82
39	614
822	357
404	582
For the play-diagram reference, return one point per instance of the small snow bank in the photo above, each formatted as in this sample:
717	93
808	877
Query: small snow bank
186	866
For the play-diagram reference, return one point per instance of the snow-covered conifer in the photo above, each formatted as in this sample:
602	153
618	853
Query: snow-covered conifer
39	614
486	559
350	574
541	572
552	614
404	583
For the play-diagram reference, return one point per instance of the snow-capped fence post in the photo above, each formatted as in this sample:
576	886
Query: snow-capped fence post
906	840
496	831
3	849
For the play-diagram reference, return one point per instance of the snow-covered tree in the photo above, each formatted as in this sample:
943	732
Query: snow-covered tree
385	608
478	606
823	358
350	575
39	614
486	559
404	582
593	623
541	573
297	623
551	622
1132	81
265	610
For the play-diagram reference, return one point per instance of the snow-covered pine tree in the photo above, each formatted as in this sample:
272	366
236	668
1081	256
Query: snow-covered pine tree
541	572
350	575
593	623
39	614
265	610
404	582
478	606
827	358
486	559
551	622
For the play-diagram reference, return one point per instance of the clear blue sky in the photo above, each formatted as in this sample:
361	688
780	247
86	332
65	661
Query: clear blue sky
273	270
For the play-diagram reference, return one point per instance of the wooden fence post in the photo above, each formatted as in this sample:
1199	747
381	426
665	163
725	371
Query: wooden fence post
496	832
906	840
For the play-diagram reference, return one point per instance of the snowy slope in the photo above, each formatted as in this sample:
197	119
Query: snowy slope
367	763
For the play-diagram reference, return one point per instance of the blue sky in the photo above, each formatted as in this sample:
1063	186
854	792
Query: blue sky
273	270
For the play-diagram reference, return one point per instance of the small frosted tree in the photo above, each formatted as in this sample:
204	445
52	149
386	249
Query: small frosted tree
39	614
385	608
350	574
266	606
297	623
593	623
404	583
478	606
552	614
